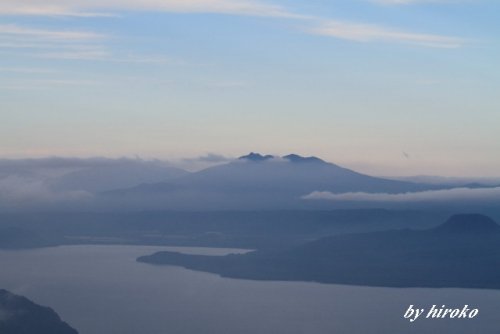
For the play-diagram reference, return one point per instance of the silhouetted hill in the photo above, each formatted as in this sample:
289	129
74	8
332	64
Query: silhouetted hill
469	224
437	257
18	315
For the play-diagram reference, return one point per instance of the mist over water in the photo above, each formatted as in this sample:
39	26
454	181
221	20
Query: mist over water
102	289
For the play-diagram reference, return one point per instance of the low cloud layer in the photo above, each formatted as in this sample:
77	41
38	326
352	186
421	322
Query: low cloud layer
20	192
456	194
63	182
58	162
202	162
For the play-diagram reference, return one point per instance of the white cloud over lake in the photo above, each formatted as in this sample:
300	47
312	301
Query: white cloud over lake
456	194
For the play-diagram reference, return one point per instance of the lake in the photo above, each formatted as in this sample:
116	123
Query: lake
103	290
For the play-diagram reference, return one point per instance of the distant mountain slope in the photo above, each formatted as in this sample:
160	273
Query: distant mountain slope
116	174
18	315
463	252
258	181
292	173
470	182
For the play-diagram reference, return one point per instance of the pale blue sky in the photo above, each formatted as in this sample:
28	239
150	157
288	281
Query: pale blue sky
384	86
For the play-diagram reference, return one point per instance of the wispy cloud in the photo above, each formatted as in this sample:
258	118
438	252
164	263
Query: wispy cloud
23	44
411	2
53	43
456	194
103	54
397	2
78	45
96	53
27	70
202	162
59	35
69	45
101	8
377	33
48	8
44	84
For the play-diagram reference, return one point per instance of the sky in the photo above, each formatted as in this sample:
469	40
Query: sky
387	87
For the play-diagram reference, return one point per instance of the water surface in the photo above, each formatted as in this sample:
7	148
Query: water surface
103	290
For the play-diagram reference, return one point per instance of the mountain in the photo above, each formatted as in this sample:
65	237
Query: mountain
469	224
258	181
297	159
463	252
256	157
19	315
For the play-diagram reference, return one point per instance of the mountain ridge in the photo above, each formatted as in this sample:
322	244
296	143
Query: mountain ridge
393	258
259	181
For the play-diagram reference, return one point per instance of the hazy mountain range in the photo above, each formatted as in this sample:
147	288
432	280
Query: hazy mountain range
258	181
253	181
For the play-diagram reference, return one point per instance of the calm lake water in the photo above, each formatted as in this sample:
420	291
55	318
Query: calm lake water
102	290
